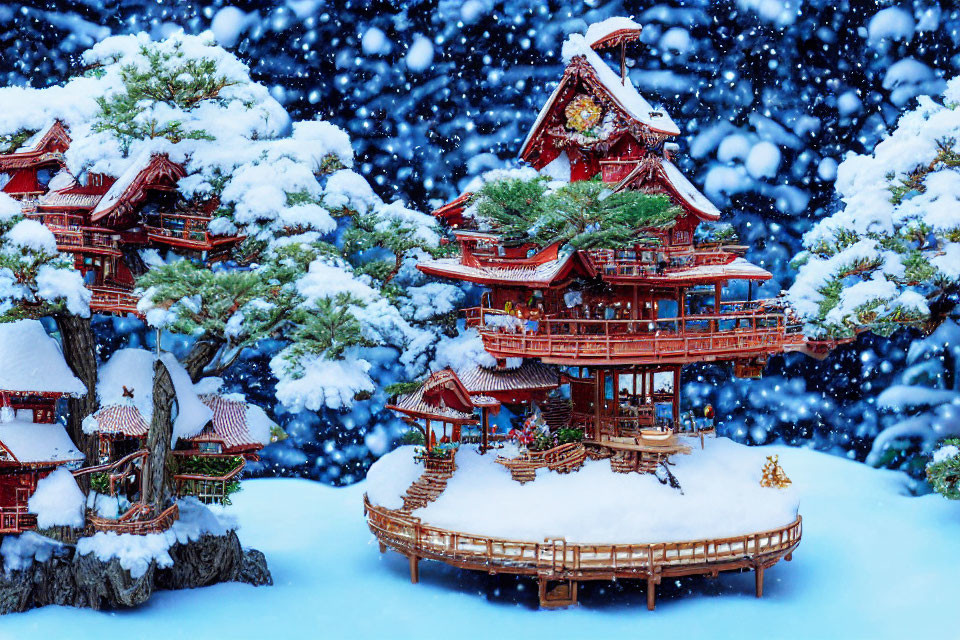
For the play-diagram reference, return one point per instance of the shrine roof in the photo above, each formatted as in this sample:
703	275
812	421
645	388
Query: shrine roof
415	405
31	361
118	419
531	374
143	172
235	423
32	443
671	176
739	269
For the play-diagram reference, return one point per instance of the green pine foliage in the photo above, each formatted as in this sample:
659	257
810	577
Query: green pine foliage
24	263
944	476
13	141
584	215
169	78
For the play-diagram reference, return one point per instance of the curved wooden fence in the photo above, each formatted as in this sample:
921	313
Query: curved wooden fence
558	559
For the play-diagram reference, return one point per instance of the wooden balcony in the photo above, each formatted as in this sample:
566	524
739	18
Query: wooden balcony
669	264
184	231
750	333
113	300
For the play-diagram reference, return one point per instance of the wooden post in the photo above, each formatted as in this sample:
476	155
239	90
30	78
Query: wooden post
651	593
676	397
758	575
715	323
484	437
414	569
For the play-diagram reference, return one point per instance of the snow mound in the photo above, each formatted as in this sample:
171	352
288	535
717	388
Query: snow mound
58	501
32	361
136	553
389	477
721	497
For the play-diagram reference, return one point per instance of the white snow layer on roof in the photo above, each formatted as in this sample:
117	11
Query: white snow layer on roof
597	505
136	553
600	30
32	361
623	93
259	425
111	197
58	501
686	188
192	414
31	442
130	368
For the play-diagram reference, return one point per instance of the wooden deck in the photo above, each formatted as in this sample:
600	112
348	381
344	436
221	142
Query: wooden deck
113	300
555	561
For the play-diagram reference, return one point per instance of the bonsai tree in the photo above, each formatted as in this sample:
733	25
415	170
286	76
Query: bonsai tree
316	271
890	258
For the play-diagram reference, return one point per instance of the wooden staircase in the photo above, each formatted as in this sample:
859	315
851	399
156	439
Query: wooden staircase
556	413
425	489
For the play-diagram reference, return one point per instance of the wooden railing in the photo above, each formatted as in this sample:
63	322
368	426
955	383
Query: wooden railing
16	519
184	230
134	521
106	299
575	560
634	264
736	334
208	489
562	459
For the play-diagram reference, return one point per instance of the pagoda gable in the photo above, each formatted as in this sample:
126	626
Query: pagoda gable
589	112
147	172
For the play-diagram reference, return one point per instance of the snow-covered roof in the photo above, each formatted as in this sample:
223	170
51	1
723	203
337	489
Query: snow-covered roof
532	276
118	419
739	269
33	142
622	92
678	183
30	442
130	368
237	424
531	374
690	193
600	31
143	169
31	361
414	403
112	197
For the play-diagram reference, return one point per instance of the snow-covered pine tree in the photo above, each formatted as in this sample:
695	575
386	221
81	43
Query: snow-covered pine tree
320	270
891	258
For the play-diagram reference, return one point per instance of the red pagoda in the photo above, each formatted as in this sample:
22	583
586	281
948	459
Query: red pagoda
614	326
104	221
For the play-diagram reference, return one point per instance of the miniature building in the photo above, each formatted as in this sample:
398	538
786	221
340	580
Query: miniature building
235	434
615	325
105	220
33	376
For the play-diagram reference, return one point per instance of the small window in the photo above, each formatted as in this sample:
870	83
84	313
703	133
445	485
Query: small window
209	447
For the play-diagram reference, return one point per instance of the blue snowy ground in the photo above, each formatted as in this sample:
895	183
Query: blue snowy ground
874	563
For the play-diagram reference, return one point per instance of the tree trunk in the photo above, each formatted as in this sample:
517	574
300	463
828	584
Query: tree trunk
201	355
79	350
158	487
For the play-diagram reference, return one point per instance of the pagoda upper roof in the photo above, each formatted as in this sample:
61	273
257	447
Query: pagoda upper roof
44	146
444	397
585	65
530	375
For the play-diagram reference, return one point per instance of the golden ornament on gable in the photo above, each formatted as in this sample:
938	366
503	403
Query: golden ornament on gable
583	113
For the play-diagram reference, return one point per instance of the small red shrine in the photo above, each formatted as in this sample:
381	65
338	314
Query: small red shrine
33	376
105	220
